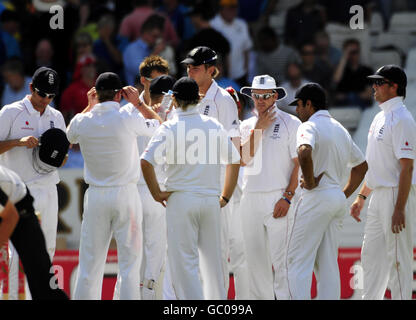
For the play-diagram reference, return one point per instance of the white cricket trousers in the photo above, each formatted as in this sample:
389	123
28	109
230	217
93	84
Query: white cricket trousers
313	244
46	203
265	244
387	257
238	261
154	239
194	243
109	210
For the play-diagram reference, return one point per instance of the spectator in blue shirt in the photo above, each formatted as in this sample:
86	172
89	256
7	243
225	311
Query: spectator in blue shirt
150	43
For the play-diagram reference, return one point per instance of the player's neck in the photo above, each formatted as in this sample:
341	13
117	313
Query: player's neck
204	87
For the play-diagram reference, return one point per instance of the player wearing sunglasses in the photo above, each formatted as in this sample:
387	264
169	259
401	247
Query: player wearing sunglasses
270	180
21	124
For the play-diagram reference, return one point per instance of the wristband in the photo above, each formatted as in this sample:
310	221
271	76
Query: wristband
362	196
287	200
225	199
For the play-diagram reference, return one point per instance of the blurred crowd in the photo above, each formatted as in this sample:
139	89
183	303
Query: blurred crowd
116	36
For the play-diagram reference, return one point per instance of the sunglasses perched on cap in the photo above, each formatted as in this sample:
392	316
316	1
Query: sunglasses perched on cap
44	95
263	96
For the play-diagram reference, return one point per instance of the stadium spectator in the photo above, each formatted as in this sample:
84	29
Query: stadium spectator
273	56
312	20
325	51
235	30
294	80
16	82
74	98
206	35
149	43
131	25
44	54
313	68
350	78
178	15
109	46
9	28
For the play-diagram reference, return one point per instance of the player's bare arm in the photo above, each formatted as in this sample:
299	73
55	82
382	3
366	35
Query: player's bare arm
356	177
9	218
308	180
28	142
358	204
149	176
405	182
231	177
282	206
131	94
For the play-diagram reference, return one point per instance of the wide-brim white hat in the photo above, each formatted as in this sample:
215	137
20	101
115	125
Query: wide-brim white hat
264	82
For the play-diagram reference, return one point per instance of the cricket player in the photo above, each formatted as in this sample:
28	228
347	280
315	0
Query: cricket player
19	222
216	103
387	250
193	192
269	185
21	124
108	141
326	154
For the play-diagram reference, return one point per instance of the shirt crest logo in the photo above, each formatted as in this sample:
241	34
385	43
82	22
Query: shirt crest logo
51	124
275	134
51	79
206	111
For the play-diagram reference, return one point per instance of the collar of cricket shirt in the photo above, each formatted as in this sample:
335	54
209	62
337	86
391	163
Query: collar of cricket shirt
212	91
391	104
29	107
190	111
106	106
320	113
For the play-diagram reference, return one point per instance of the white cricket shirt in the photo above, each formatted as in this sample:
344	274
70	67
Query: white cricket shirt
107	137
272	165
217	103
193	158
392	136
18	120
333	150
12	185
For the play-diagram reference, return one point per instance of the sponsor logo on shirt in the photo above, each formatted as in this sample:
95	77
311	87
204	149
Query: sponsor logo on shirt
406	147
26	127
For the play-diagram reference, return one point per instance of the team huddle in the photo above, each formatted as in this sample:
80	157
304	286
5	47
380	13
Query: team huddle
190	191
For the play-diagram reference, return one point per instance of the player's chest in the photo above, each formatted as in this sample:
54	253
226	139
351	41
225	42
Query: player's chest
380	132
209	108
31	125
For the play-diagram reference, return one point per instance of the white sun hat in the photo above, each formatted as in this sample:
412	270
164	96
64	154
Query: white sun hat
264	82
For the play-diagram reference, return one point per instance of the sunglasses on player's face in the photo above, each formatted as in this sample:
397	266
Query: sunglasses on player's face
45	95
264	96
380	82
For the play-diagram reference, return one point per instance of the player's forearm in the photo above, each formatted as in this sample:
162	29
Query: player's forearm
306	164
149	176
293	182
405	183
147	112
9	217
231	178
356	177
9	144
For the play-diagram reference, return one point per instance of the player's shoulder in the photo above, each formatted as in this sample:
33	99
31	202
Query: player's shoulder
290	118
223	95
250	122
14	107
54	112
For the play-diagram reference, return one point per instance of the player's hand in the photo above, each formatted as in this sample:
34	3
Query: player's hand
223	203
281	208
163	197
28	142
92	97
266	118
131	94
356	208
398	221
312	185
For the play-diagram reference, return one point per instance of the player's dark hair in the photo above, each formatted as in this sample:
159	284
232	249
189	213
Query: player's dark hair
316	106
401	91
105	95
